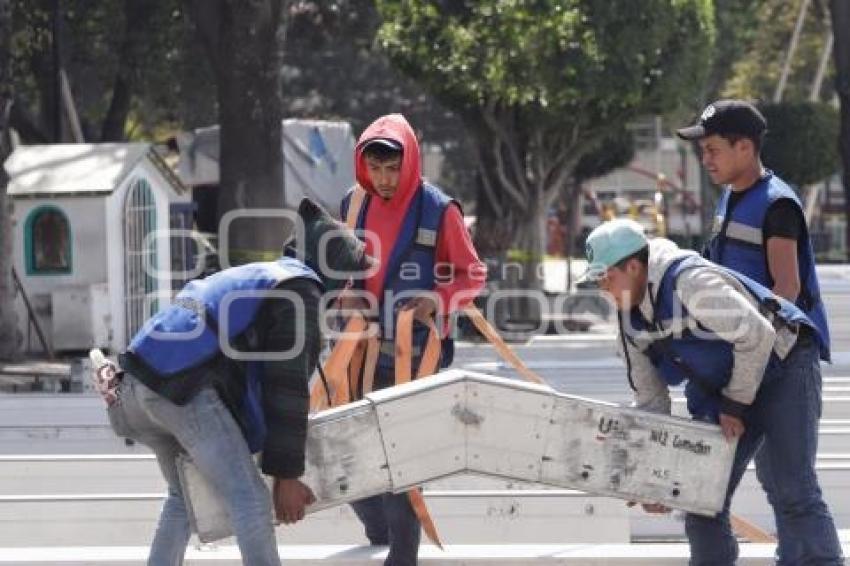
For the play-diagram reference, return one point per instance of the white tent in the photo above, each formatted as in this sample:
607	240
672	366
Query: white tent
318	160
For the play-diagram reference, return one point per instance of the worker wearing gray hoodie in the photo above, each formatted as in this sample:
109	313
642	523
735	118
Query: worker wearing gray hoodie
750	362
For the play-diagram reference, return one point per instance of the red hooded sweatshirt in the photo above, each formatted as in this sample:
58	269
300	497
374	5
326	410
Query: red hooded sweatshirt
385	218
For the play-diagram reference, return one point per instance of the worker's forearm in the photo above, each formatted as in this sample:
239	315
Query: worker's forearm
787	290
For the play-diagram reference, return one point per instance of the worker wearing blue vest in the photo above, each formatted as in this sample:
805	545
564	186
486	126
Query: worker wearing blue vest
222	373
759	230
426	262
750	362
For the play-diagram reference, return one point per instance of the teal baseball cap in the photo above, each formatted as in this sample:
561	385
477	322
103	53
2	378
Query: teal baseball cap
611	242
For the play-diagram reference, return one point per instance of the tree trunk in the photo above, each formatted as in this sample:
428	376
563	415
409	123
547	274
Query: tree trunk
529	241
26	125
840	10
137	18
244	42
570	215
43	72
512	210
524	270
9	336
492	232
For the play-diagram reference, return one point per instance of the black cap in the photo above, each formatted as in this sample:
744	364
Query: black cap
385	142
726	117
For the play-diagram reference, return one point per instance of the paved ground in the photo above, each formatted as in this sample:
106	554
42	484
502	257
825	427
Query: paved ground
584	364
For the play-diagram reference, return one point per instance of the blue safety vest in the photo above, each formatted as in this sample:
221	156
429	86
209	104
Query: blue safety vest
704	360
410	268
186	334
737	242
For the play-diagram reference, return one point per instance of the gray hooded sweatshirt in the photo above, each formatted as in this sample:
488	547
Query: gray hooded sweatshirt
720	304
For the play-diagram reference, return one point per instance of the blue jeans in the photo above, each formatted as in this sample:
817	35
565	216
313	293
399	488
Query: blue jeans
389	519
205	429
783	422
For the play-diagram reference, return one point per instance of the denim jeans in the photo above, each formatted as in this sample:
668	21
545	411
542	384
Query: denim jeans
783	422
389	519
205	429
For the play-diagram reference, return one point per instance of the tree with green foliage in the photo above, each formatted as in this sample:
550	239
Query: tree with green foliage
737	28
328	35
800	142
323	37
755	71
132	67
142	20
538	83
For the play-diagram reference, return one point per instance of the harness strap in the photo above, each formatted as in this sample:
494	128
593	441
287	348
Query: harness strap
354	206
336	367
417	502
403	369
404	349
502	348
358	350
373	349
355	369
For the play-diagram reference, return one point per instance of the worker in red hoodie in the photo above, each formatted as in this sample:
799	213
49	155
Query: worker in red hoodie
426	263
